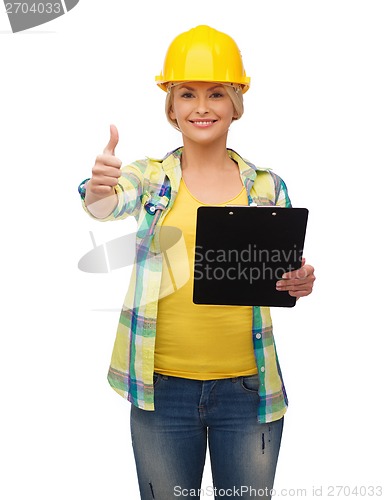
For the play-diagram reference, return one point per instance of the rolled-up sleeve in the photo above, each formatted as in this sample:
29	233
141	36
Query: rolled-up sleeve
129	190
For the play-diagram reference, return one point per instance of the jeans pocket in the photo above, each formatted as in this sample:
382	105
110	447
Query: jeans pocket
250	383
156	379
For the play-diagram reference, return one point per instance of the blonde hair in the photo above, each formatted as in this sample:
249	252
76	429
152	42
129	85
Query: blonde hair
234	92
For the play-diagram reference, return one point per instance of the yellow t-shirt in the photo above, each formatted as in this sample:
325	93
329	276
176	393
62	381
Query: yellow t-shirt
196	341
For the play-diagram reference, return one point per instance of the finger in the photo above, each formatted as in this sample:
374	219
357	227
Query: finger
103	190
113	140
105	170
300	293
102	180
301	273
109	160
294	284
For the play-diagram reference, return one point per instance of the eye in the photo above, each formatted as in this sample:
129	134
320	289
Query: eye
187	95
217	95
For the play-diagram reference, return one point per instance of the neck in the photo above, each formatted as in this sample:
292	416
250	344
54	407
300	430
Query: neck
212	157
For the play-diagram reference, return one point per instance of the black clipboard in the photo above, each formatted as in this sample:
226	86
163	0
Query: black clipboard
241	251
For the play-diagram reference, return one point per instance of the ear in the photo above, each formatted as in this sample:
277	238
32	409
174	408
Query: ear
235	114
171	113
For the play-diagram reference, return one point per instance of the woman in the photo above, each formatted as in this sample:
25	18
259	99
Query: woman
194	372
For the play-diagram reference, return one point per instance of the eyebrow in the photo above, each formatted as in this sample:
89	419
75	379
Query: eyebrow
208	90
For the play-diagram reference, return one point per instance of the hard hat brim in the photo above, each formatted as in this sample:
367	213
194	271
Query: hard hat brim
166	85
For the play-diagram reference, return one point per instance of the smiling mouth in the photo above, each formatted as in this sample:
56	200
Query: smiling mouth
203	123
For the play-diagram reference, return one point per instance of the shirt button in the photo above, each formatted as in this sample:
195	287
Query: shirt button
262	369
258	336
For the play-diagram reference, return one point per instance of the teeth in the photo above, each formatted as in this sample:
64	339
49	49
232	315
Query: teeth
203	123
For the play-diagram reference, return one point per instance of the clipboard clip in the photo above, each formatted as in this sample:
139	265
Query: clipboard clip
253	204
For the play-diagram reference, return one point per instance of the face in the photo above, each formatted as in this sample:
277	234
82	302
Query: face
203	111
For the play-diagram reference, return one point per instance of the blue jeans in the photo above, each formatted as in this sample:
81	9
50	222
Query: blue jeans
170	443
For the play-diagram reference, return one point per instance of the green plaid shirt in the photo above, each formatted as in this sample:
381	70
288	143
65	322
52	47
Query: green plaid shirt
147	190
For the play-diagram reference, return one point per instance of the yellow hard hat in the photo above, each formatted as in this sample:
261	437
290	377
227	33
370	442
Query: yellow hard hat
203	54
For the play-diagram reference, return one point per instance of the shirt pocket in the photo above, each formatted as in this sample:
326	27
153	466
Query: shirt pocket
153	207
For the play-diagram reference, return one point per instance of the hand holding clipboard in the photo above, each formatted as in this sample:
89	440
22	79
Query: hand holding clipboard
242	252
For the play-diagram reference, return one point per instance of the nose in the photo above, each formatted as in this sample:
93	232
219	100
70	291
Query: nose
202	105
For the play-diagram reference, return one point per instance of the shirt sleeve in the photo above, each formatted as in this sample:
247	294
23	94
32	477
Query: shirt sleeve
282	197
129	190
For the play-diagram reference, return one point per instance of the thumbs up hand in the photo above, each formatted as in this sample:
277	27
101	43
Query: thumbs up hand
105	176
106	171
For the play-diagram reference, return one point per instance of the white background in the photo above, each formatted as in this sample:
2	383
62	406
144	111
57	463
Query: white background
314	114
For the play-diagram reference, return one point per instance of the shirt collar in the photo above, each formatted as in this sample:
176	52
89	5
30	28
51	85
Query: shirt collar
171	164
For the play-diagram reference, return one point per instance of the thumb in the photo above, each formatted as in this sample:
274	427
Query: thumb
113	141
